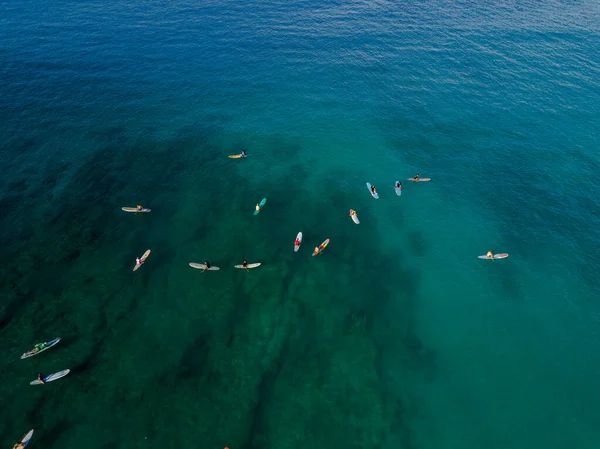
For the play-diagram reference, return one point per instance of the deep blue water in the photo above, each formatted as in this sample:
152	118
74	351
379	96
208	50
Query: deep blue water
397	336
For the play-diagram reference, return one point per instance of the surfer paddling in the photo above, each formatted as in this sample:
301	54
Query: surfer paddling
41	378
352	212
490	255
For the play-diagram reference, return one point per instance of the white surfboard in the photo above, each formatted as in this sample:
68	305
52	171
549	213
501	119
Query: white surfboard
201	266
134	209
419	180
398	189
142	259
299	238
496	256
51	377
250	265
26	438
374	195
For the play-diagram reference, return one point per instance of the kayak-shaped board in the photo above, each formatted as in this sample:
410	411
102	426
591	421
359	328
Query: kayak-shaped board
419	180
261	204
322	246
134	209
26	438
398	189
374	195
51	377
201	266
47	345
496	256
299	238
142	259
238	156
250	265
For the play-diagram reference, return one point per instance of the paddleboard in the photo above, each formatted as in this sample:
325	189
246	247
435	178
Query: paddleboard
398	189
202	266
26	438
374	195
355	219
322	246
143	259
51	377
238	156
299	238
47	345
250	265
496	256
261	205
134	209
420	179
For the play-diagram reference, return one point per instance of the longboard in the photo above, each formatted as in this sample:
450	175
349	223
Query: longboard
51	377
142	259
201	266
322	246
398	189
496	256
355	218
261	205
374	195
419	180
299	238
134	209
238	156
26	438
250	265
47	346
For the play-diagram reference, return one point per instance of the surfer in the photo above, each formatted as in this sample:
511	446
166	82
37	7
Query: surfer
245	262
416	178
41	378
19	445
373	191
297	242
257	208
207	266
490	255
243	154
138	261
352	212
138	208
399	185
38	347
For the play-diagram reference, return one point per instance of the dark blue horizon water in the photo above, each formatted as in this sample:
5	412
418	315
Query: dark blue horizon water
397	336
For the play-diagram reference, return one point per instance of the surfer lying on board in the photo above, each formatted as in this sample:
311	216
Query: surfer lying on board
37	347
19	445
352	212
297	242
139	208
41	378
373	191
490	255
398	185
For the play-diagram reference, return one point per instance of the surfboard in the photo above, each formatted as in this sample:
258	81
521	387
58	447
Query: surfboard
374	195
496	256
299	238
398	189
201	266
261	204
47	346
322	246
420	179
355	218
143	259
238	156
26	438
134	209
250	265
51	377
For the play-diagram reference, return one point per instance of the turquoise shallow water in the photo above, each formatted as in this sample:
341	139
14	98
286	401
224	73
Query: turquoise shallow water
397	336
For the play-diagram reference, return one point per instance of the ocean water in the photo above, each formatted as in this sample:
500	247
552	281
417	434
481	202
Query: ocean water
397	336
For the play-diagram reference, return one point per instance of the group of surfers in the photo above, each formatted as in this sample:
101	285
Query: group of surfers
398	184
